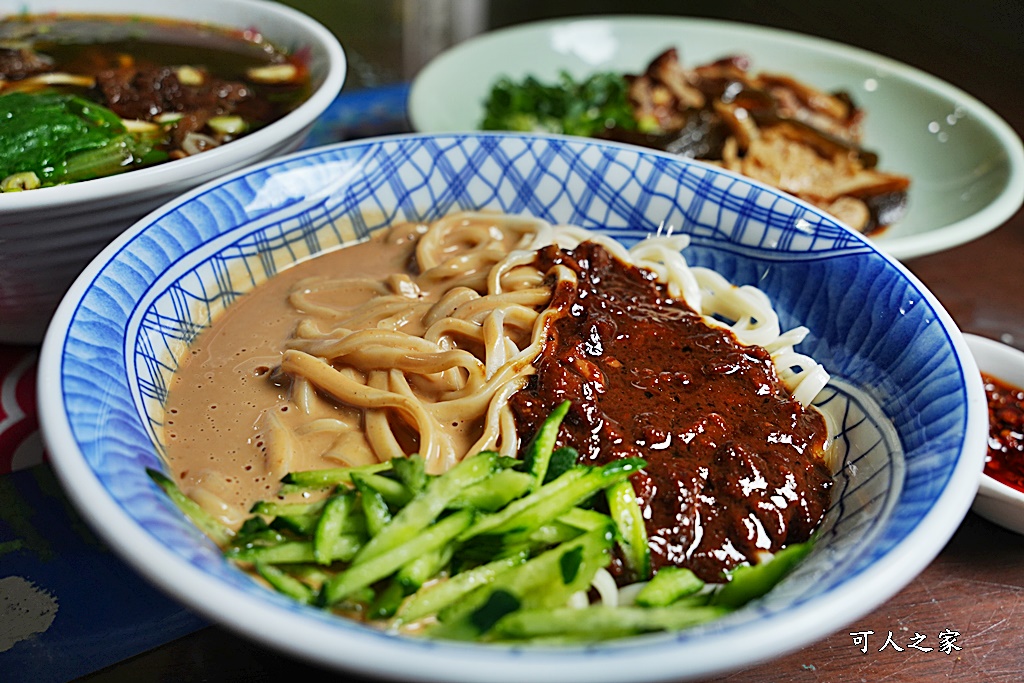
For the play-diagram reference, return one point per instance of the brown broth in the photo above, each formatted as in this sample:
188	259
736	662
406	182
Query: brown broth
212	432
135	66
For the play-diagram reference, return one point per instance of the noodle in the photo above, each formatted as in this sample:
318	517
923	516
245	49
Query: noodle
426	356
416	366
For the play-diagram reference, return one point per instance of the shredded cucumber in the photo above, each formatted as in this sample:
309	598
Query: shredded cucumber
495	549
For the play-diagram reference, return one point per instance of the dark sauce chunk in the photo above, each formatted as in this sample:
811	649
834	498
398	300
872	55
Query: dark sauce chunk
735	464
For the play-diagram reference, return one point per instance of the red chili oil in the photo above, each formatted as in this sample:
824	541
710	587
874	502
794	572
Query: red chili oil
1005	460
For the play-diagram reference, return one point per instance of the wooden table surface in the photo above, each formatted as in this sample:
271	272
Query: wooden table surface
975	587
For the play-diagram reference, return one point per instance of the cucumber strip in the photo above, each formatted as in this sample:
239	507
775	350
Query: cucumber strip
344	548
267	539
544	581
553	533
386	602
375	508
492	524
432	599
425	567
562	460
394	493
584	519
567	526
625	510
537	454
354	523
269	508
310	574
331	525
207	523
285	583
577	567
668	585
747	583
286	490
331	476
300	524
522	517
255	532
495	492
424	508
599	622
411	472
379	567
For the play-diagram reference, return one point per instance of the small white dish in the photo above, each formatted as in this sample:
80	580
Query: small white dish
965	163
996	501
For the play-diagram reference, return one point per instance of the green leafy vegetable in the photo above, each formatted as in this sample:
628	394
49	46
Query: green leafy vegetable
65	138
584	107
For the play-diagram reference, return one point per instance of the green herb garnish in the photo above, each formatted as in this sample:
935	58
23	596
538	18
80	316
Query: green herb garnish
585	107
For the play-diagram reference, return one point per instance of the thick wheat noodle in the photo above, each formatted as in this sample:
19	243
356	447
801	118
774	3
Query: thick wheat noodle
361	395
471	269
519	263
444	331
376	349
378	430
278	445
670	267
427	418
499	432
431	247
351	448
496	352
302	299
372	312
303	394
476	309
323	424
439	453
448	303
341	340
309	329
493	300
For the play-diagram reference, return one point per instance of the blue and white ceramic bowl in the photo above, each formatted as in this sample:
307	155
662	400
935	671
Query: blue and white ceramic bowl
906	397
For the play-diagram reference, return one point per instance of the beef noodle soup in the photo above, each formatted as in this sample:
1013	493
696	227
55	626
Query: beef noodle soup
85	96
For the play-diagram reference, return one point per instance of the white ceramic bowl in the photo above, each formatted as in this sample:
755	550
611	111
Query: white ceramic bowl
49	235
906	398
996	501
966	164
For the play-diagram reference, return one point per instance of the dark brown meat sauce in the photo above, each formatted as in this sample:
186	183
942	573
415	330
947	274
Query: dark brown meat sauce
734	463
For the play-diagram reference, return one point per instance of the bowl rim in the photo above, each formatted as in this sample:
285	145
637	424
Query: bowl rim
987	219
989	350
431	660
229	155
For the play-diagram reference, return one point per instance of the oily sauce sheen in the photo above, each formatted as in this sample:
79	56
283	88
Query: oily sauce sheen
1005	460
735	465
